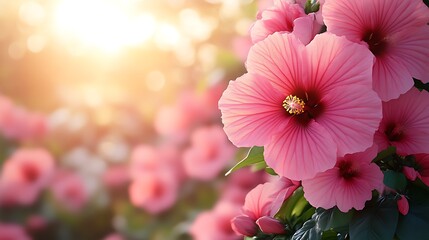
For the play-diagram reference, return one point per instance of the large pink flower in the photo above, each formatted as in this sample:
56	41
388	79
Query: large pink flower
405	123
209	153
348	185
395	31
305	104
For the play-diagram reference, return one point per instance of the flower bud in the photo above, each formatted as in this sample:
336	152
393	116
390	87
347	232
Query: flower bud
270	225
244	225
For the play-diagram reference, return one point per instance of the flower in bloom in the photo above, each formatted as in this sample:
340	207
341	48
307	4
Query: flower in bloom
347	185
215	224
209	153
395	31
302	103
405	123
285	16
24	175
154	192
261	202
70	191
12	232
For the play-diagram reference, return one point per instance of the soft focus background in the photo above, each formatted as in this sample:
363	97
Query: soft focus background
109	127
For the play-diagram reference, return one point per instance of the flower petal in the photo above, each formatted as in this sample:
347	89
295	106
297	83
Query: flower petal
299	152
252	111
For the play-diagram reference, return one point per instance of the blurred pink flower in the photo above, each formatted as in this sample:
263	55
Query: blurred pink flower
209	153
348	185
395	31
147	159
70	191
12	232
241	46
114	236
17	123
240	183
36	223
215	224
116	176
24	175
302	103
404	124
154	192
285	16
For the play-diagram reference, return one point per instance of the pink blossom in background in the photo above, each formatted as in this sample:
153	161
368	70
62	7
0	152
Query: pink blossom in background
116	176
241	46
70	191
17	123
348	185
285	16
9	231
154	192
303	102
404	123
147	159
240	183
24	175
113	236
36	223
176	130
215	224
209	153
395	31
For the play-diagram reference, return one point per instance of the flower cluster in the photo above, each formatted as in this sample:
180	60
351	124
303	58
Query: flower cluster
329	94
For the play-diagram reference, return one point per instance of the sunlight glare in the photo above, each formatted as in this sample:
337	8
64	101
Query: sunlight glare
108	25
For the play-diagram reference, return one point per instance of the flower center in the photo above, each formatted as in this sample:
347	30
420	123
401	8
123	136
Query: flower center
377	42
347	170
293	105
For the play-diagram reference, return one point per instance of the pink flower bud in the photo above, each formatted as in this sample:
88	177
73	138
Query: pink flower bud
270	225
410	173
403	206
244	225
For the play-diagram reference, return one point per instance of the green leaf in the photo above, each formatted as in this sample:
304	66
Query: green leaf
376	222
333	219
415	224
385	153
395	180
255	155
308	231
270	171
285	212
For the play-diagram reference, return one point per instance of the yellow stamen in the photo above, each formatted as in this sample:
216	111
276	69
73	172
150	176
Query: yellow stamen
293	105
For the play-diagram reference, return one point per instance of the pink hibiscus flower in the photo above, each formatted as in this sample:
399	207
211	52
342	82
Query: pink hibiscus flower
154	192
404	123
395	31
285	16
303	103
209	153
12	232
215	224
261	202
347	185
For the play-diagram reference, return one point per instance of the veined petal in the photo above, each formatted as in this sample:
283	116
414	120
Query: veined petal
252	111
299	152
280	59
335	61
352	115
